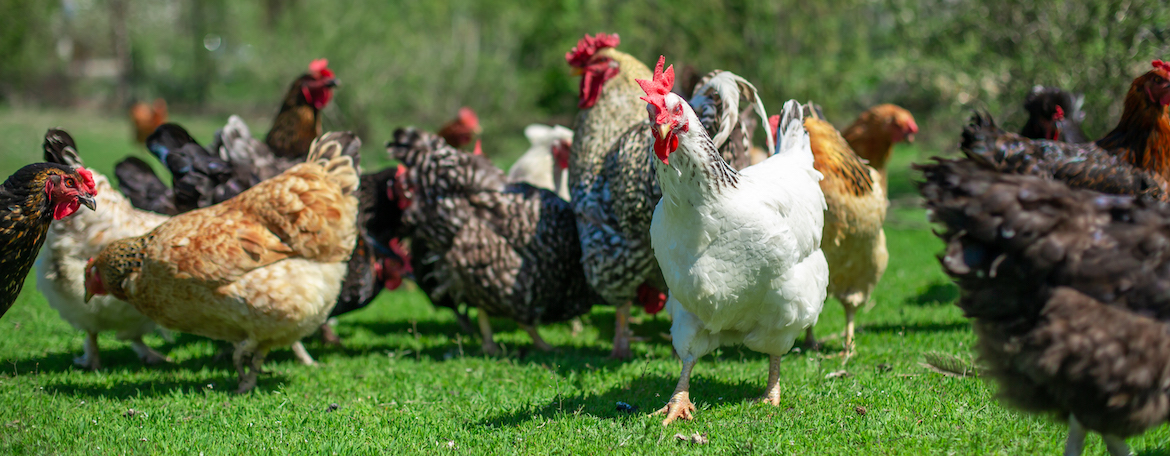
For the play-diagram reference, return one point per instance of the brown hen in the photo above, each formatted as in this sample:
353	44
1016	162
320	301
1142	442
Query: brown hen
261	270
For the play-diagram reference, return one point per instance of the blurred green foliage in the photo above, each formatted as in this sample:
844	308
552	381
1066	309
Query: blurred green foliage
417	62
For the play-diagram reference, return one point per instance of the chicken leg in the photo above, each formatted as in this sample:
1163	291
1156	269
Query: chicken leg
244	357
485	329
772	390
621	332
1075	445
303	355
810	340
537	341
146	354
680	404
91	359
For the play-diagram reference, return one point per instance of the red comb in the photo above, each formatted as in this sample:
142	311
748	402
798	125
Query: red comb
581	53
1160	65
320	69
1059	113
87	179
468	117
657	88
774	124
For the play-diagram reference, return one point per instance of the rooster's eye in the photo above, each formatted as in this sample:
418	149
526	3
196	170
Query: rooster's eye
69	182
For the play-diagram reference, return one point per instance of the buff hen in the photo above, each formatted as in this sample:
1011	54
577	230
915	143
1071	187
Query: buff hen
260	270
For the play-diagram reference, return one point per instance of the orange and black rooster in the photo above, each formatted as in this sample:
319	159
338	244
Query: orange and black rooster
29	201
1142	136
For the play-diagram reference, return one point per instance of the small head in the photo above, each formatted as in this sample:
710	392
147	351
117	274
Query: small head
399	192
561	149
1156	84
594	66
666	110
468	118
1047	108
93	281
317	85
394	267
68	189
652	299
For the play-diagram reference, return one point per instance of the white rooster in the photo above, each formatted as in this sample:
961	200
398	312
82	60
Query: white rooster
740	251
546	163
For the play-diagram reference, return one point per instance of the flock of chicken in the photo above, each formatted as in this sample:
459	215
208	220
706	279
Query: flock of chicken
1060	246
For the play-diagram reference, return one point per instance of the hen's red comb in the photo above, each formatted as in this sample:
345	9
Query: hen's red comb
581	53
657	88
320	69
87	179
1162	67
774	124
1059	113
468	117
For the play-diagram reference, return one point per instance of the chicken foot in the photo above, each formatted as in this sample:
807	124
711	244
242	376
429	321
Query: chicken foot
91	359
146	354
248	359
680	405
772	390
850	343
810	340
537	341
621	332
329	336
485	330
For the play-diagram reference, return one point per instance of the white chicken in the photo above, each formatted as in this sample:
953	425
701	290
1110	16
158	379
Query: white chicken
72	241
740	251
546	163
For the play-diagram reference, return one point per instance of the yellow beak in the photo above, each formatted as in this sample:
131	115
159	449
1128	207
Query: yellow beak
663	130
577	71
88	295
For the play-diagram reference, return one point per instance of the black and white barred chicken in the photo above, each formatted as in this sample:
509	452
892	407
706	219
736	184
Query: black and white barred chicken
511	251
611	169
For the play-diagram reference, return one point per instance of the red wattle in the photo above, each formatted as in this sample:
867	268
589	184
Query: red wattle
652	300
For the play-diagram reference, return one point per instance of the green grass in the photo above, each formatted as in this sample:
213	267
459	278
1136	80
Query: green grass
408	382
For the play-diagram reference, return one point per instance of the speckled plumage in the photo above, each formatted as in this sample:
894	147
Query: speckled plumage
511	251
1067	290
26	211
1086	165
261	270
72	241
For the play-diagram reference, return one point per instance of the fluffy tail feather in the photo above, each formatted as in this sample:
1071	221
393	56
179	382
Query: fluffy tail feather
729	87
792	137
60	148
980	140
340	154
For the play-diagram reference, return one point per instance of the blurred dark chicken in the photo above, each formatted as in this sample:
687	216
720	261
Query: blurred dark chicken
30	200
1067	292
1054	114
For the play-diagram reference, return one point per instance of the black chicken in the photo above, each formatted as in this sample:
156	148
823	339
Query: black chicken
1067	290
1054	114
30	200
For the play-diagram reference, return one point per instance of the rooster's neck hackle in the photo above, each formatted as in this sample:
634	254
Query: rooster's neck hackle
617	109
696	169
296	125
1142	136
120	260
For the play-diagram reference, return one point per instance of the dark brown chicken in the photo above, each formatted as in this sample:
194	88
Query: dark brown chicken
1084	165
30	200
1054	114
1067	291
511	251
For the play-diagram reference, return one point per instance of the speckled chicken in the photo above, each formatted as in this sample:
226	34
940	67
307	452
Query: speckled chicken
30	200
73	241
1067	292
611	170
260	270
510	251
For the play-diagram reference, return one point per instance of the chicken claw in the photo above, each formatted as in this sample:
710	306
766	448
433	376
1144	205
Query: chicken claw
147	355
680	406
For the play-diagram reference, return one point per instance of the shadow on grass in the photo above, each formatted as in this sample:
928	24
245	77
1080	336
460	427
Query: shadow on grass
126	389
1154	452
646	394
938	293
917	327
